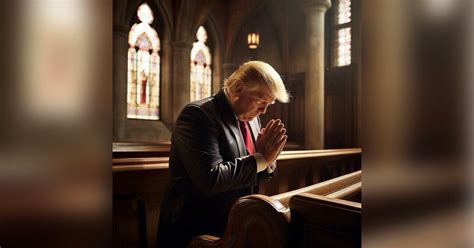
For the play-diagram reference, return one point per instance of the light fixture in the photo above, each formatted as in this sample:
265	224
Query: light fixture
253	40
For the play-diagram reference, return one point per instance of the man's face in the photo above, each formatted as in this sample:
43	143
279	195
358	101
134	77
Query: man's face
251	102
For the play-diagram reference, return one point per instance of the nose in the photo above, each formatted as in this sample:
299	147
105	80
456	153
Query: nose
263	109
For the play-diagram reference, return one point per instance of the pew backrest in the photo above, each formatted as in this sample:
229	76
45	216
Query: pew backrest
332	186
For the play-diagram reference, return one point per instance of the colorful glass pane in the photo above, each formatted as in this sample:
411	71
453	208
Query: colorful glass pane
344	11
343	47
341	35
201	72
143	68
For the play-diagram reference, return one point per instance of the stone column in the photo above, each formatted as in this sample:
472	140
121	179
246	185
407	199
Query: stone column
120	62
314	80
181	76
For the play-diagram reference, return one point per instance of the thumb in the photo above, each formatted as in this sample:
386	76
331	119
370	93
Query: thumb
259	135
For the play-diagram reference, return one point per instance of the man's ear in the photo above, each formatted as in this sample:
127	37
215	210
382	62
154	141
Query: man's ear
238	88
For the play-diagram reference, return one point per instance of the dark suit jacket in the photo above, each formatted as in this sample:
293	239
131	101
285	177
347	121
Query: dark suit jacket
209	169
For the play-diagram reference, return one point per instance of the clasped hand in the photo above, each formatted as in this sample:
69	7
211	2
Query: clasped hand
271	140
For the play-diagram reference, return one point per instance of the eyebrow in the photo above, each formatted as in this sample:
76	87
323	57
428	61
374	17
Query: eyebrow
264	95
263	100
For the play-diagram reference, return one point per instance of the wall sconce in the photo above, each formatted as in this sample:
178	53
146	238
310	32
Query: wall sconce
253	40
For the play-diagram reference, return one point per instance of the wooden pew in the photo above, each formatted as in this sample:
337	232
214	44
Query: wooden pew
145	178
298	169
263	221
325	221
139	185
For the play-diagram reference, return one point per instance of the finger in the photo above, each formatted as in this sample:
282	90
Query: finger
282	124
269	125
275	128
277	124
279	135
279	127
269	132
273	131
278	132
272	124
281	144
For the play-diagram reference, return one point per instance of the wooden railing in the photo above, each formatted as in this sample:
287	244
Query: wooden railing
285	155
158	163
140	150
330	187
138	164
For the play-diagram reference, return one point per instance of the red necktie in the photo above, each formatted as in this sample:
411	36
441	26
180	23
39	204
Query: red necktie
244	128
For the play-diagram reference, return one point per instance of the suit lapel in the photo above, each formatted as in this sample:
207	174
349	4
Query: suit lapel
229	120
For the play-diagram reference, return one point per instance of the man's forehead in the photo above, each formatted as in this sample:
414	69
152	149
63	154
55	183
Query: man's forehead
262	92
266	95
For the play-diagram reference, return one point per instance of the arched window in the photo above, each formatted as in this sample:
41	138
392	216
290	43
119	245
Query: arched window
143	87
201	72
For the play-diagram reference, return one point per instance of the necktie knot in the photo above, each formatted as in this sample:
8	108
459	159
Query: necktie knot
247	136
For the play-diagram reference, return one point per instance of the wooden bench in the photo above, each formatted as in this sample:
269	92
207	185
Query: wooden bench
146	177
263	221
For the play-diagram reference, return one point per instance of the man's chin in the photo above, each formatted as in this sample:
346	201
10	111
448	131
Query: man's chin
250	118
247	118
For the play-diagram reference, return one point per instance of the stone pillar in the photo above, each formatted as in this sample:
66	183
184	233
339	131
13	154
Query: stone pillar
314	80
181	76
229	68
120	62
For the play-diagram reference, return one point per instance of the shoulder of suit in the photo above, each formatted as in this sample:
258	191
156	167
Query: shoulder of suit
206	106
201	102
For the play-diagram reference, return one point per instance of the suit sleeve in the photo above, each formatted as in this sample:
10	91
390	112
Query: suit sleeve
196	138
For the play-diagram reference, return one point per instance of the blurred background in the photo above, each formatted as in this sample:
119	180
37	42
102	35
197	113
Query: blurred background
56	118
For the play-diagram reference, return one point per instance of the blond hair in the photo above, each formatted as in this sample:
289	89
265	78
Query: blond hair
258	72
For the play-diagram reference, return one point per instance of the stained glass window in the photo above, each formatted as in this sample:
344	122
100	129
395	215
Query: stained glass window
343	11
342	44
201	72
143	87
341	37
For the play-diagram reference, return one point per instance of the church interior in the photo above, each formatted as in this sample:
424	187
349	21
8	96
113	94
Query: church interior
169	53
316	46
381	97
